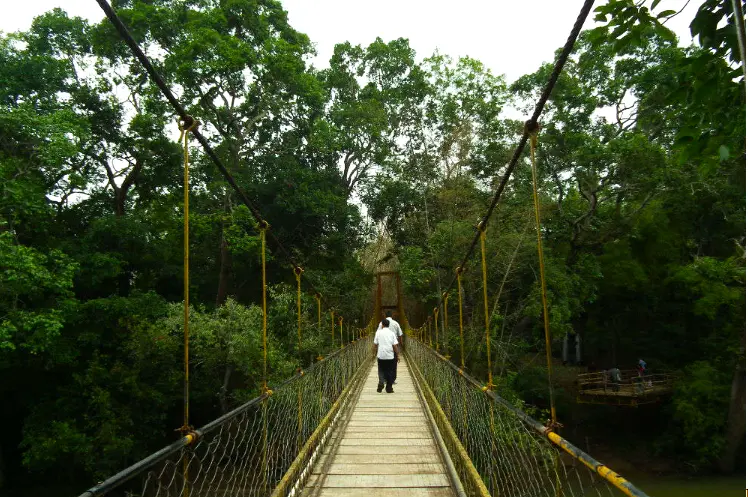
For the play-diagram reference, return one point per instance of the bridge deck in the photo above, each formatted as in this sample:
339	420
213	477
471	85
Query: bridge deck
386	448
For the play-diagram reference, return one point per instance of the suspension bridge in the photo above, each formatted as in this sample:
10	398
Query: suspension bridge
326	432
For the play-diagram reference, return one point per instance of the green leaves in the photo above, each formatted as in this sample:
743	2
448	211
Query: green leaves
29	282
698	413
366	118
717	285
724	153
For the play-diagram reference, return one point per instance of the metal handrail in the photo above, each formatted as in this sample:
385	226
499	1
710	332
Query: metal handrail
137	468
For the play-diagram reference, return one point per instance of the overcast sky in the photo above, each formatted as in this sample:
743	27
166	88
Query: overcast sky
509	37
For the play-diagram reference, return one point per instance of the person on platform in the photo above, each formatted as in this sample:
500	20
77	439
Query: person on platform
615	378
398	331
385	346
641	369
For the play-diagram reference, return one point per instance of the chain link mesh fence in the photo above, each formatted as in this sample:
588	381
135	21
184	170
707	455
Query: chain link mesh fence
246	452
494	442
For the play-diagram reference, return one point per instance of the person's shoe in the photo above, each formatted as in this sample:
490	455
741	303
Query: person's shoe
379	388
390	390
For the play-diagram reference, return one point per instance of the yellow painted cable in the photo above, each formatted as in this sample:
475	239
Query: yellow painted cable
184	130
264	226
319	312
436	327
482	229
541	263
459	303
297	271
445	331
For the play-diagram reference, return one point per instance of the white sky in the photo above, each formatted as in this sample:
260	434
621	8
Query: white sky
510	37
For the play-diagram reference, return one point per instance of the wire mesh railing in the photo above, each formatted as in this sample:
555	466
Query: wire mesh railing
498	449
250	450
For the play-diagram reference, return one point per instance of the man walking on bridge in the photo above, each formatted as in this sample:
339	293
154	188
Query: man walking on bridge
385	346
398	331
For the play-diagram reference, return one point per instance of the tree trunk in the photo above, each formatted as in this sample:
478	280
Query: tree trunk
120	201
223	396
224	276
123	280
120	196
522	325
736	417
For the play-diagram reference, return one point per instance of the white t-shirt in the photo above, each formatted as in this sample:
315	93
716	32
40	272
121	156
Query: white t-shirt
386	339
394	327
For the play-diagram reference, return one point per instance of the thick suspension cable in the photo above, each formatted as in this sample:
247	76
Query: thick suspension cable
531	123
180	110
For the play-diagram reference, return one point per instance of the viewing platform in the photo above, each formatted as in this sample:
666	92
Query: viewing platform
631	390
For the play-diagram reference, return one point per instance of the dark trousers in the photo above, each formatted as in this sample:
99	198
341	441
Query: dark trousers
386	369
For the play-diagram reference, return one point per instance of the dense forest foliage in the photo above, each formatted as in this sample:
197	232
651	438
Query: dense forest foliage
642	165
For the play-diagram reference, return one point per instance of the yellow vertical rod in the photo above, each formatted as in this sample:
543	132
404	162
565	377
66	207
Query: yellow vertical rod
340	322
541	263
297	271
445	333
490	385
332	327
185	128
263	232
482	229
264	226
186	276
436	327
459	303
318	297
319	312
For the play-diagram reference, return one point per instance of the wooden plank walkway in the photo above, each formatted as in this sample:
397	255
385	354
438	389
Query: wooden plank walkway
386	448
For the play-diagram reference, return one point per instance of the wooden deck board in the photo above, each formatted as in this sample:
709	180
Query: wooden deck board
627	391
387	448
382	481
383	492
385	468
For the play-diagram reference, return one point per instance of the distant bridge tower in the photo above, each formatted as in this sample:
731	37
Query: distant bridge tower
385	300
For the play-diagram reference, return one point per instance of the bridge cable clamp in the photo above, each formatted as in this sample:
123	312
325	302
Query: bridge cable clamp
187	124
532	128
189	432
552	426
